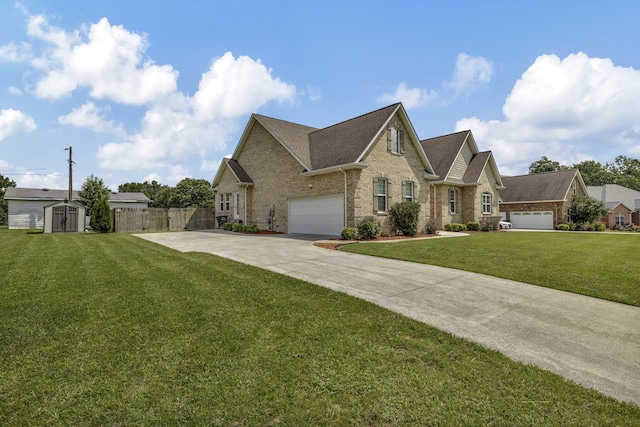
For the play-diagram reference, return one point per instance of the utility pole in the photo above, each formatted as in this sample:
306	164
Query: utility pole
70	173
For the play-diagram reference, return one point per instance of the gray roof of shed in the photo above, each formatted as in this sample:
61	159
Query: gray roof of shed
538	187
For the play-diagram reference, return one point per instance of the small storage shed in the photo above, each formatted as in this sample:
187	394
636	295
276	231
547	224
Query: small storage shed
64	217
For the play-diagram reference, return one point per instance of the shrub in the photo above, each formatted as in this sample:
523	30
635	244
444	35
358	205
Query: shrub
430	227
349	233
101	216
598	226
227	226
454	227
369	228
473	226
489	223
237	227
405	217
252	229
562	227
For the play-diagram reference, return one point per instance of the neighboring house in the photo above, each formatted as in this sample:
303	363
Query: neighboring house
623	204
298	179
540	200
26	205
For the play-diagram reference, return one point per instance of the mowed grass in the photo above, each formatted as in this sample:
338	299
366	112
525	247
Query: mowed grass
600	265
113	330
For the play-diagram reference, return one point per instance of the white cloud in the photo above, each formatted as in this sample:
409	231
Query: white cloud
13	121
106	58
28	178
470	71
233	87
180	126
15	91
16	53
568	110
210	166
410	97
314	93
93	118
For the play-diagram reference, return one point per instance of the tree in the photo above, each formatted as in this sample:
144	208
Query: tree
101	216
4	184
546	165
585	209
593	173
93	189
625	172
189	193
150	189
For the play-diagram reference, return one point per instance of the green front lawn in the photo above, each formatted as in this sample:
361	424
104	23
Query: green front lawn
599	265
113	330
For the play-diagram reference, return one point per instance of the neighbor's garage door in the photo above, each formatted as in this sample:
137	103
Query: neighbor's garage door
538	220
317	215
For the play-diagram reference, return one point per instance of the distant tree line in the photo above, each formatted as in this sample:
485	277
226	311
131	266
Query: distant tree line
188	193
624	171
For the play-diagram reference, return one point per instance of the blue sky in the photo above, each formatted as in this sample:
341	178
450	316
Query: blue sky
162	90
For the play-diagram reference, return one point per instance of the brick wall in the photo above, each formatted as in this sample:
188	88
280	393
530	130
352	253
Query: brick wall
397	169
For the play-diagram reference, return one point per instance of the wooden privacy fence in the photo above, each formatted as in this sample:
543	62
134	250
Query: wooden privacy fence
160	219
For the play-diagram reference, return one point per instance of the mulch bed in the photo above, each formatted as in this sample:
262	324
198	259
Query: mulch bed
337	242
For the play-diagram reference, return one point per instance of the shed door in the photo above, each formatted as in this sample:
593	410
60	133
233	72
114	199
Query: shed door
541	220
72	219
317	215
58	219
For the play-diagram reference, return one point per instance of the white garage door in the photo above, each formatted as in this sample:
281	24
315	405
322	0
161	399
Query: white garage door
538	220
317	215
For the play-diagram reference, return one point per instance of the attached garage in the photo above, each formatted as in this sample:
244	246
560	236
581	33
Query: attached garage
317	215
541	220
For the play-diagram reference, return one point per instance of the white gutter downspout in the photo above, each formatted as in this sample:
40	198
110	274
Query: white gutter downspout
345	196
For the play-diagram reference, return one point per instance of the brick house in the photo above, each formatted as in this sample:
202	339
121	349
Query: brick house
540	200
623	204
299	179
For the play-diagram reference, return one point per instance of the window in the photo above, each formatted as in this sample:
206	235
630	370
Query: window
453	201
225	200
381	194
575	188
486	203
236	205
396	140
408	192
620	219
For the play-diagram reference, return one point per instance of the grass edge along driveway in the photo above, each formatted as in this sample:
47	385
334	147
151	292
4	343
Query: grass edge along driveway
599	265
114	330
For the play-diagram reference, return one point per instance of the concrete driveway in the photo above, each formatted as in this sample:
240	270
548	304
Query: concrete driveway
593	342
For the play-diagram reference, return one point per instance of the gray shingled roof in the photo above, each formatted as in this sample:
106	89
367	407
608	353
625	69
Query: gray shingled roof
344	142
443	150
614	193
17	193
538	187
294	136
475	167
238	171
